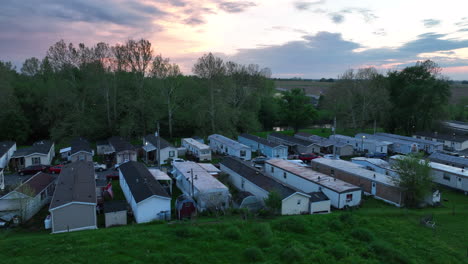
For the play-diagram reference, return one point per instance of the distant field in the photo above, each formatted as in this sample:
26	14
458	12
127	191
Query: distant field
375	233
314	87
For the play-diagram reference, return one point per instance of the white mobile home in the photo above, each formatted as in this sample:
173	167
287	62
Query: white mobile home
227	146
450	160
248	179
201	151
394	145
453	177
28	198
340	193
41	152
428	146
194	181
150	147
452	141
378	165
145	195
373	183
363	144
264	146
7	149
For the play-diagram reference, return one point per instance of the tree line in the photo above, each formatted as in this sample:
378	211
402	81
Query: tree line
125	89
404	102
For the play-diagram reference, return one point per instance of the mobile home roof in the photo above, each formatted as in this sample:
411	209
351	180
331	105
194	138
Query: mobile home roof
313	176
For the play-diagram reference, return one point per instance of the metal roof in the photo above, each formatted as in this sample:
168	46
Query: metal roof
260	140
202	180
5	146
449	137
410	139
40	147
437	156
228	142
80	144
257	177
331	183
293	140
355	169
197	144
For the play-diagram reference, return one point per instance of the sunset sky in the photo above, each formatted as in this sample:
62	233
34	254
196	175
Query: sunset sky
308	39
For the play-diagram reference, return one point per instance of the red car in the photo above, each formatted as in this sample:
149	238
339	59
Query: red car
308	157
56	169
113	176
33	169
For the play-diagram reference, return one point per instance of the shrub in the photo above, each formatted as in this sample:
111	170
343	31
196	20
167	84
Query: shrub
296	225
338	250
387	253
347	218
265	242
253	254
232	233
263	230
292	253
363	234
335	225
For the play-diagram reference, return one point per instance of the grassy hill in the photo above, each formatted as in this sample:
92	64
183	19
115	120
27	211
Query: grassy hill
375	233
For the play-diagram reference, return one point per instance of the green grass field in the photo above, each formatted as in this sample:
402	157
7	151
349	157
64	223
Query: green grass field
375	233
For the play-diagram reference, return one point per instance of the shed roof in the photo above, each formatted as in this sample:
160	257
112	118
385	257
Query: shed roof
40	147
313	176
76	183
154	141
202	180
355	169
257	177
318	197
159	175
210	168
228	142
115	206
260	140
5	146
80	144
141	182
36	184
292	140
119	144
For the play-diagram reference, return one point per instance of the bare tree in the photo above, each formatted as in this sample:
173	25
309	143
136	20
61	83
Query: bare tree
31	66
211	68
168	73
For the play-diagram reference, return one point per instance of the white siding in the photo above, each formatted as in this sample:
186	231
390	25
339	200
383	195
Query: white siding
295	204
166	154
320	207
149	209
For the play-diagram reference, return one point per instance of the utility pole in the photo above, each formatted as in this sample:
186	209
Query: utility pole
334	133
159	147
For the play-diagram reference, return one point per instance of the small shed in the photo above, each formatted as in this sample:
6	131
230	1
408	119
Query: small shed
65	153
162	178
319	203
185	206
115	213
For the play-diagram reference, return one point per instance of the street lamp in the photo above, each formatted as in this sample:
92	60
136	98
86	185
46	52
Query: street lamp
362	143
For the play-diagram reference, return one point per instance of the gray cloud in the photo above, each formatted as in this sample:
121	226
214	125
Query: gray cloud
194	21
235	7
328	54
305	5
431	22
337	18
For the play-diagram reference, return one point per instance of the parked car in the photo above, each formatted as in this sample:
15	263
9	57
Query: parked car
260	160
176	160
33	169
56	169
307	157
99	167
113	176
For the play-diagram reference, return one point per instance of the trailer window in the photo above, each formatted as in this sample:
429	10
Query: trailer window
242	153
349	197
272	169
446	177
285	175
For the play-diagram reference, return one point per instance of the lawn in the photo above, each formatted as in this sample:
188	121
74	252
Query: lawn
375	233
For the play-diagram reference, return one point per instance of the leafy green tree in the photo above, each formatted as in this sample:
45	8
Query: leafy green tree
414	176
296	109
418	95
273	202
